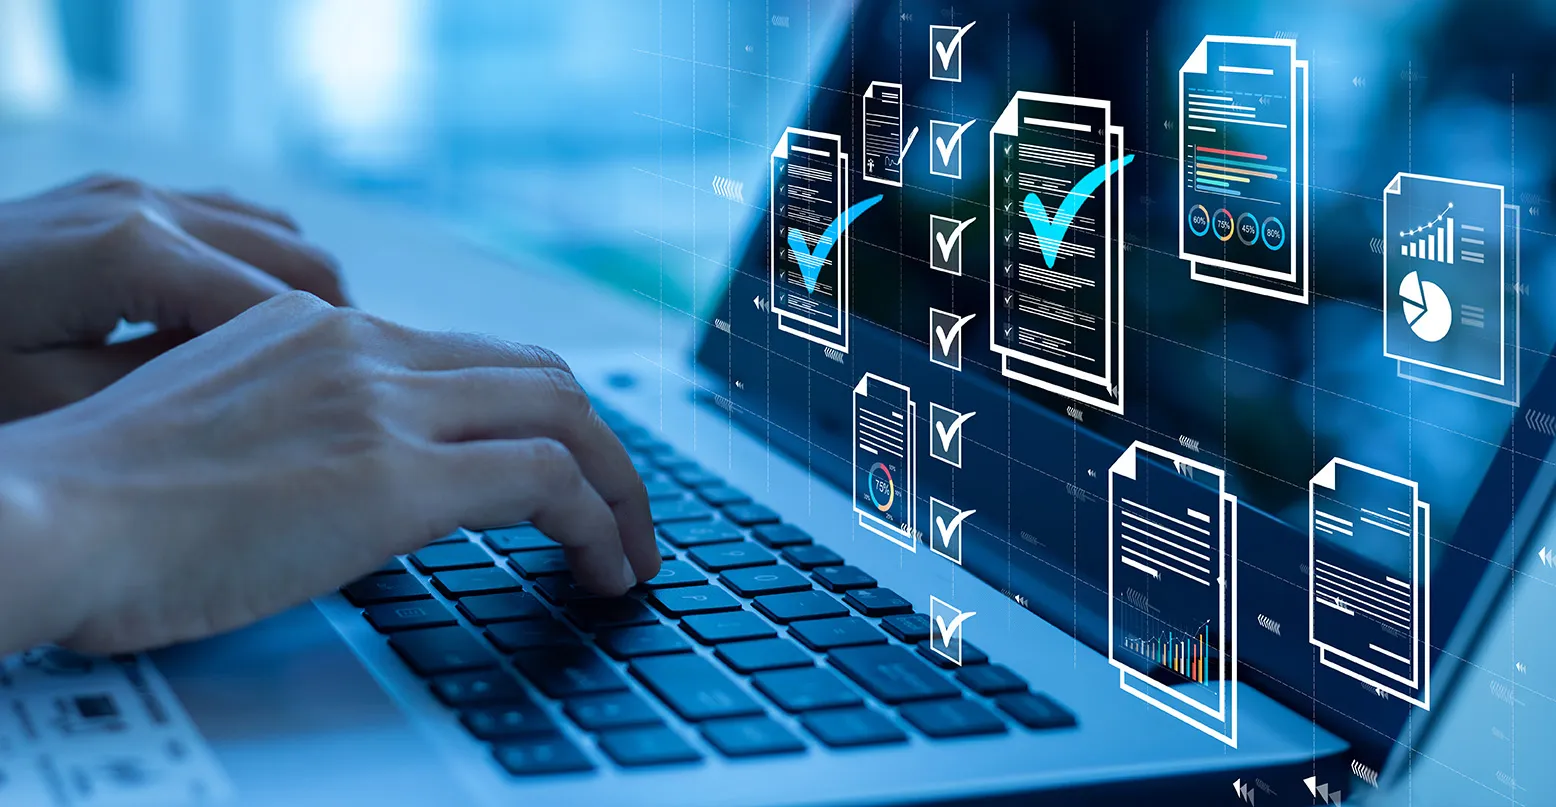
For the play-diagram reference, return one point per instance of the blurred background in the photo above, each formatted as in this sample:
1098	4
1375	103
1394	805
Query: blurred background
508	121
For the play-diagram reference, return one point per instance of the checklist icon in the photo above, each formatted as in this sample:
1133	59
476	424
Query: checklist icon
945	629
945	444
945	51
945	338
945	248
946	523
945	158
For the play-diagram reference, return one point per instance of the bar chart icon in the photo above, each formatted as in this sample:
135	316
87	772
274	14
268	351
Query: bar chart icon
1438	243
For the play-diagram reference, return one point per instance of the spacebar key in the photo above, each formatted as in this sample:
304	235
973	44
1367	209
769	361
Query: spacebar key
694	688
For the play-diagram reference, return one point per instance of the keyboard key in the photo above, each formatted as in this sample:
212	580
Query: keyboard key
563	589
666	511
697	533
694	476
848	728
673	573
664	489
566	672
721	495
843	578
766	654
531	565
678	602
759	580
435	651
617	710
441	557
971	656
648	640
1035	710
910	628
786	608
778	536
511	637
806	689
695	689
521	538
665	552
385	588
750	737
952	718
822	635
732	626
892	674
616	612
480	688
666	459
635	748
750	515
509	607
877	602
541	756
394	616
991	679
811	556
719	557
506	722
467	582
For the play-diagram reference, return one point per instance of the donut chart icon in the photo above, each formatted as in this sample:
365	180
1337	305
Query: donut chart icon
1426	307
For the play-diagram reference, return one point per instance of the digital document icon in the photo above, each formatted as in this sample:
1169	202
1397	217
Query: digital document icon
1369	578
946	628
1056	248
1243	165
885	469
1451	312
808	235
1172	587
882	133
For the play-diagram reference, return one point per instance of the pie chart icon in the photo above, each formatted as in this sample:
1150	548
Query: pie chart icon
1426	307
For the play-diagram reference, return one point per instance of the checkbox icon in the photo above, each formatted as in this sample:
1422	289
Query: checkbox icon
945	440
946	623
945	337
945	154
945	243
945	51
945	524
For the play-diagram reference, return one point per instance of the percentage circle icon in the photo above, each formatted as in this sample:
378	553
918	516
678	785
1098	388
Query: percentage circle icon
1248	229
881	483
1199	220
1274	233
1223	224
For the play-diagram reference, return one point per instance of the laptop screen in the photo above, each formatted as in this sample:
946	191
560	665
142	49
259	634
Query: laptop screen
1290	252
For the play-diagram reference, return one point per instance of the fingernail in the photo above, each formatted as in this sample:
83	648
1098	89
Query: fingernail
629	577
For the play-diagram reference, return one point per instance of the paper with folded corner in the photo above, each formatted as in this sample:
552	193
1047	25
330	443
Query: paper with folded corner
1172	587
78	730
885	467
808	217
881	120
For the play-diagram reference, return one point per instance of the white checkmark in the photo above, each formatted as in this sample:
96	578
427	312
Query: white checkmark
945	49
947	337
949	630
946	244
908	144
947	432
946	530
948	149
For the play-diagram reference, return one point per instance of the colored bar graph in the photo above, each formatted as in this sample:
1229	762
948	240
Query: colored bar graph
1209	150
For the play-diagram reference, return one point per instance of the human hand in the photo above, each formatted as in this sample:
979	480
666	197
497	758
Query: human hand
285	453
77	259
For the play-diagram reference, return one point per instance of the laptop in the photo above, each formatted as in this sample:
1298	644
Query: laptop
934	532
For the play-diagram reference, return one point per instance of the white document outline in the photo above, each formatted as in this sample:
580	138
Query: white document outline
958	522
1128	677
891	532
957	418
1300	274
1512	239
960	331
1113	266
1420	596
844	268
863	129
955	627
956	41
959	230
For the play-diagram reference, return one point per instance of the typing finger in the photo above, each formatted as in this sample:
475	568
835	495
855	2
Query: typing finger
232	204
187	283
265	246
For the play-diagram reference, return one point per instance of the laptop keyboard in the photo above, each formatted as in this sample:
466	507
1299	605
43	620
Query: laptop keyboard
504	637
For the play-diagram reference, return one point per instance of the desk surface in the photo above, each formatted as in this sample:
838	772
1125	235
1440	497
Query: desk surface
397	263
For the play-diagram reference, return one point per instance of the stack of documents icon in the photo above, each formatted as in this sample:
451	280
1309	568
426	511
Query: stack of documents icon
885	434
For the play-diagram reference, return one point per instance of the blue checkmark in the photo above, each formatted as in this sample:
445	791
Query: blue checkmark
810	261
1050	231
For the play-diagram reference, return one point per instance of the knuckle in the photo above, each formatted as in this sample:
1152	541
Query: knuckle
552	465
109	182
537	356
293	304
